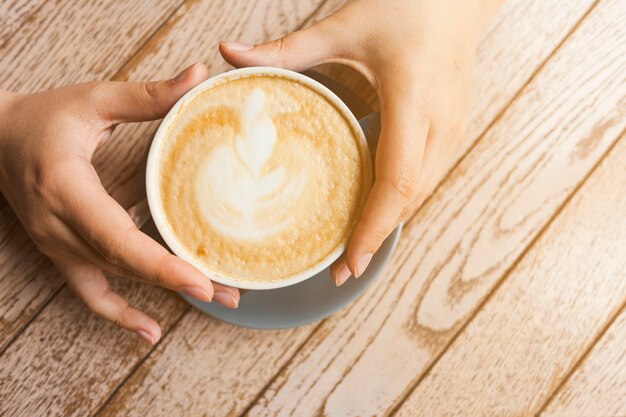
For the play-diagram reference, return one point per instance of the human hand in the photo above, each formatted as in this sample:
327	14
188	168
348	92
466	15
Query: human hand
418	55
47	140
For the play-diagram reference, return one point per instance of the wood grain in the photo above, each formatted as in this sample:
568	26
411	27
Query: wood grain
13	14
545	316
69	360
218	370
598	386
43	53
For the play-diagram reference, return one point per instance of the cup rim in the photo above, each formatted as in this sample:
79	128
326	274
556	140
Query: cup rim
153	164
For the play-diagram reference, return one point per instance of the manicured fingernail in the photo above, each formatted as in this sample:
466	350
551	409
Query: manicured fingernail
197	293
362	264
342	275
146	336
226	299
237	46
183	75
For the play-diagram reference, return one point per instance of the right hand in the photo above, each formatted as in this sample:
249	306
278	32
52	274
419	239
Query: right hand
47	140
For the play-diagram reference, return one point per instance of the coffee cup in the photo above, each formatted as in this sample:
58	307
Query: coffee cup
250	164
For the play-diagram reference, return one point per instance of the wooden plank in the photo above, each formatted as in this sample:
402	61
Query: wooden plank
43	53
13	14
598	386
70	360
546	315
217	371
468	235
80	355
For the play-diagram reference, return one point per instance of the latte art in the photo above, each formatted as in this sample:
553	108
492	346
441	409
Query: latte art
236	195
262	178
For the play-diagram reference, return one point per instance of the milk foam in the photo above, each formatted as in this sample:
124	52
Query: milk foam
233	188
262	177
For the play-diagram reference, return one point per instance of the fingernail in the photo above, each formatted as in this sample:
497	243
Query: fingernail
197	293
342	275
180	77
226	299
146	336
237	46
361	264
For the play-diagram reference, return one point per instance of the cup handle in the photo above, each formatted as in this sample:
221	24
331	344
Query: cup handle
370	125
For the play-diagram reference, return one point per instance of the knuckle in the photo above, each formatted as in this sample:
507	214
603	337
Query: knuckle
160	276
113	247
96	94
152	98
378	234
150	91
404	185
46	180
280	46
41	235
93	304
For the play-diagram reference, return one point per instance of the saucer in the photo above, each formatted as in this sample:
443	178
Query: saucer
315	298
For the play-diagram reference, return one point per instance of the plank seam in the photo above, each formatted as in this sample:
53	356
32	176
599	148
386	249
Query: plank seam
603	330
282	368
582	359
33	317
140	362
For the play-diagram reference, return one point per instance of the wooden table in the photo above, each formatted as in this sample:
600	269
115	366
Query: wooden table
507	293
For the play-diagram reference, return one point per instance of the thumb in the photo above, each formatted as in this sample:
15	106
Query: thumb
119	102
297	51
397	185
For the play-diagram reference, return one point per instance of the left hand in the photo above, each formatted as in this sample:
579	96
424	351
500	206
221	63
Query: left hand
418	55
47	141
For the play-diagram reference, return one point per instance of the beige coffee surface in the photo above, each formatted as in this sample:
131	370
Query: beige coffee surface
262	178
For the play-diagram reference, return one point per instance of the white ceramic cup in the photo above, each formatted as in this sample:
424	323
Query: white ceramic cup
153	167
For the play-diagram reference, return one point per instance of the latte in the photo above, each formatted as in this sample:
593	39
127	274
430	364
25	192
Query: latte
262	177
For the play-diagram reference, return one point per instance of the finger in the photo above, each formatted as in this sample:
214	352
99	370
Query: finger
399	153
118	101
76	248
89	284
106	226
339	271
226	296
297	51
